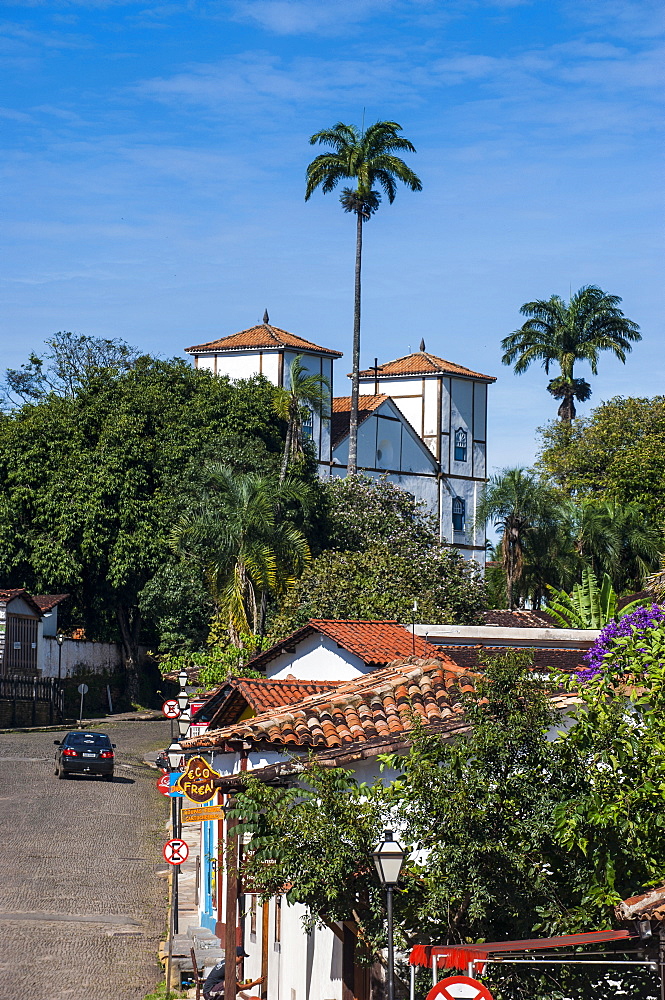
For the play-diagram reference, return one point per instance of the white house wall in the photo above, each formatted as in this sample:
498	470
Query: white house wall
317	658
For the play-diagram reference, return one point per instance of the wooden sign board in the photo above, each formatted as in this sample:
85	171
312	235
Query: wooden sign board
197	780
202	814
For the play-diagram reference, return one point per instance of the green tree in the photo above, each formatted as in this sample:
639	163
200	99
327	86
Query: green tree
70	360
379	582
617	454
615	539
368	158
562	333
381	554
520	506
306	394
248	551
91	484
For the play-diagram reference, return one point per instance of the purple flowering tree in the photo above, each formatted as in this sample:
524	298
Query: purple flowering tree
622	644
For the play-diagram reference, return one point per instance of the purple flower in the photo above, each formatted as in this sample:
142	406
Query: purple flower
637	621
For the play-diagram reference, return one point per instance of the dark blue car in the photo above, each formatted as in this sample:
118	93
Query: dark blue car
85	753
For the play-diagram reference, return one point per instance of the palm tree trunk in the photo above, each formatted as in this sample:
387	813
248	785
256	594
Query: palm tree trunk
286	454
567	410
352	467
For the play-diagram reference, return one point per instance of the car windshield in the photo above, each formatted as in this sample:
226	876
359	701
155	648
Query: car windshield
87	740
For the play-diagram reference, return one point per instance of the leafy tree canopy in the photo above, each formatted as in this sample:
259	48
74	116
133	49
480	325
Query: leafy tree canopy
382	554
616	454
69	361
91	483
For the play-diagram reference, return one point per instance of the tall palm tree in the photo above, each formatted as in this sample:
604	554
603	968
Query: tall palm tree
307	393
368	158
248	551
560	332
518	504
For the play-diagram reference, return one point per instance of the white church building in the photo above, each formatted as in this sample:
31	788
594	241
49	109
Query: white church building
422	420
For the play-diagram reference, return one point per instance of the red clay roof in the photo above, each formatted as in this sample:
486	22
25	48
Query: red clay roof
376	643
48	601
258	694
8	594
566	661
519	619
261	336
382	704
423	363
341	412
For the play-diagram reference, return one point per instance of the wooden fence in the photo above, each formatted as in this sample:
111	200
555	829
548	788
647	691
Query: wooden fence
36	697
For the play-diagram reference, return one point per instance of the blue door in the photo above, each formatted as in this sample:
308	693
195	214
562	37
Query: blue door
209	881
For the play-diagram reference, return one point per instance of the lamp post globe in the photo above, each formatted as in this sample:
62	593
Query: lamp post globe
388	859
182	678
184	720
174	754
183	700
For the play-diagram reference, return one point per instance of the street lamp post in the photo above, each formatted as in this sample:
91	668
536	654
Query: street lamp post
59	639
388	858
174	754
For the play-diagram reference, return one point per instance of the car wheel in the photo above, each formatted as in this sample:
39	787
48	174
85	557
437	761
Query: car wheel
61	773
108	777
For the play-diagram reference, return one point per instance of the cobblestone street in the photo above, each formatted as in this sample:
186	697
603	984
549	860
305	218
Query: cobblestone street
82	902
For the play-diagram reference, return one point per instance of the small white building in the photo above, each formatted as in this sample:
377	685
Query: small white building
422	421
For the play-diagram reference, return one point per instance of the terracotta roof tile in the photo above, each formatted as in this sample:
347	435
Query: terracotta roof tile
233	698
544	660
519	619
48	601
422	363
8	594
383	703
262	336
376	643
341	413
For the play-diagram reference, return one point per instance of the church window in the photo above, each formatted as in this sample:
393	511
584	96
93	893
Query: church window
460	445
459	514
307	423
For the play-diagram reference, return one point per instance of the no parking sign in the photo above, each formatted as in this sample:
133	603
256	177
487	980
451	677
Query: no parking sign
459	988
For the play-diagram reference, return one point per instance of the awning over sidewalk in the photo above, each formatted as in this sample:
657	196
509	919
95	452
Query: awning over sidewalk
458	956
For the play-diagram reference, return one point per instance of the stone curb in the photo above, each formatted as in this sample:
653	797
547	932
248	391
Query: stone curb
73	723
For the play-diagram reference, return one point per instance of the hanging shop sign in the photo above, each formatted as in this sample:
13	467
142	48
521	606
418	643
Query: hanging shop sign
197	780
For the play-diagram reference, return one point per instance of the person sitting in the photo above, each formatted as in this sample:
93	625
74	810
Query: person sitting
213	987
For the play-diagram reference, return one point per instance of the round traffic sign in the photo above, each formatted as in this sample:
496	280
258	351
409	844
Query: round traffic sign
82	689
459	988
164	783
171	709
175	851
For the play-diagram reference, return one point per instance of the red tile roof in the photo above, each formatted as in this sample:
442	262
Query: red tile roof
519	619
376	643
422	363
261	336
380	705
48	601
341	412
566	661
260	695
8	594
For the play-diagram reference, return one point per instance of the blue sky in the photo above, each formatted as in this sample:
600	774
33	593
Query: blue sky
154	159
